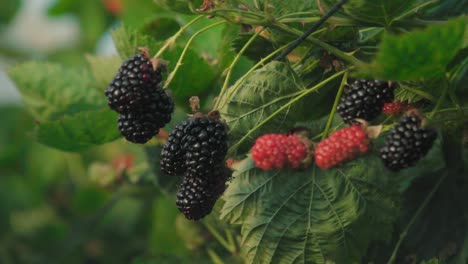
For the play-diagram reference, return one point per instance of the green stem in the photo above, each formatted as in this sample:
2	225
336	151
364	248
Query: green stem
179	62
219	238
231	241
335	105
413	219
233	63
308	14
242	79
172	39
285	106
340	54
299	19
214	257
441	99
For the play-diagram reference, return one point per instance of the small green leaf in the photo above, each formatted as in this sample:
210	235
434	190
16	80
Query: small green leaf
103	69
50	90
310	216
257	97
418	54
80	131
127	42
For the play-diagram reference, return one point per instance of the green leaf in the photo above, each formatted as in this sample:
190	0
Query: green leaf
310	216
420	53
260	95
277	7
50	90
380	12
103	69
127	41
80	131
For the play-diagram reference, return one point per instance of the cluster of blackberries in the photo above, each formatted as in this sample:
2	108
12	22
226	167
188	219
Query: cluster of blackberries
136	94
364	99
196	149
407	143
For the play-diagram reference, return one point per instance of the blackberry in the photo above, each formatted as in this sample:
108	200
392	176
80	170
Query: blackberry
407	143
198	195
205	143
364	99
173	155
133	84
139	127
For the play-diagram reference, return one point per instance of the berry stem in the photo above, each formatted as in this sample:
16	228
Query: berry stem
415	216
229	247
335	105
311	30
233	63
338	53
173	38
215	258
285	106
242	79
179	62
441	99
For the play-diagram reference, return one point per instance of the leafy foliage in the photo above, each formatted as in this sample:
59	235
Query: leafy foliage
273	85
356	213
423	54
310	216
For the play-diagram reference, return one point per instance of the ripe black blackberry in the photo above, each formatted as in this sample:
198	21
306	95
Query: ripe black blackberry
139	127
364	99
173	154
407	143
205	143
133	84
197	195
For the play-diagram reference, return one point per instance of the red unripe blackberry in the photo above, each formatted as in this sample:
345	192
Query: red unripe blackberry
394	108
277	151
198	195
364	99
340	146
131	88
173	154
205	143
407	143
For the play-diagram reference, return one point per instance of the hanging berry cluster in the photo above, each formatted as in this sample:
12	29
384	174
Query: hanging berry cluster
196	149
136	94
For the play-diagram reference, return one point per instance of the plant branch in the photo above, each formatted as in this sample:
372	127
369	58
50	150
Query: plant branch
239	82
233	63
311	30
335	105
338	53
229	247
441	99
283	107
179	62
415	216
173	38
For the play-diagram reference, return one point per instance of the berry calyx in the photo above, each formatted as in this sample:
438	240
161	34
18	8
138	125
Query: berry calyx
278	151
394	108
364	99
407	143
341	146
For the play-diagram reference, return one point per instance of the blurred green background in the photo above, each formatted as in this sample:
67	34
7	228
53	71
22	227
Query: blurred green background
96	206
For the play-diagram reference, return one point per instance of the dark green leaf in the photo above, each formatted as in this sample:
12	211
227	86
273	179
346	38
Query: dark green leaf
80	131
310	216
418	54
259	96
